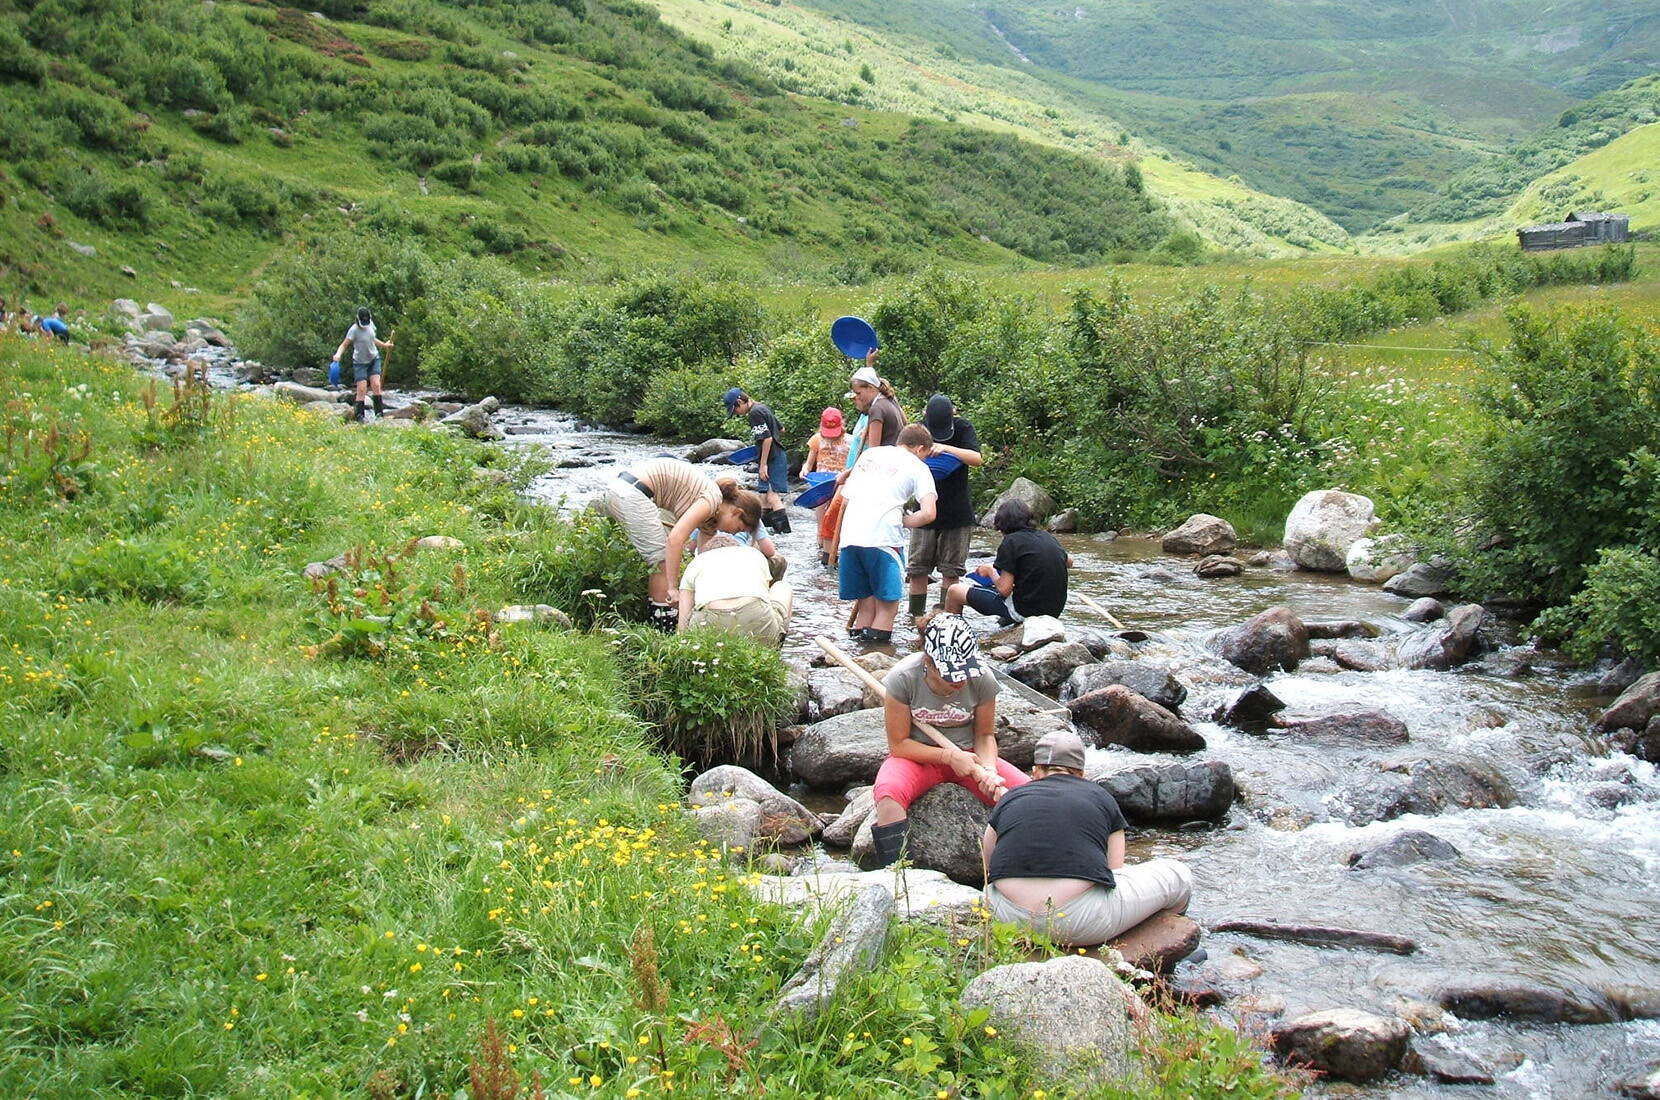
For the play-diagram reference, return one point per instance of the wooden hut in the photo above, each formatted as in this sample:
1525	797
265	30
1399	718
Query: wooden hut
1582	227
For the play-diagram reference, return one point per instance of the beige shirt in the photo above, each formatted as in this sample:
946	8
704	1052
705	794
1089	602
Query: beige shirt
727	573
676	485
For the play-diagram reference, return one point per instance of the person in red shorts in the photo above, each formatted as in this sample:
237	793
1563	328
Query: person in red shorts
947	686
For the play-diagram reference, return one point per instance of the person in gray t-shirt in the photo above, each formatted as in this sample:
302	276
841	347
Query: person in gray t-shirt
365	360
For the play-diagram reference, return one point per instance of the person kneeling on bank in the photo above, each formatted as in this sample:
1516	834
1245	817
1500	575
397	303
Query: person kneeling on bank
729	586
948	687
1054	856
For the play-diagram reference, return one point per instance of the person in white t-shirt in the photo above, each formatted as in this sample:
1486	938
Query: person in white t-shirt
728	585
870	539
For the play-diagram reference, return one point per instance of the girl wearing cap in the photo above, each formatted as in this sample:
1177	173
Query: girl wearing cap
826	453
360	337
768	436
947	687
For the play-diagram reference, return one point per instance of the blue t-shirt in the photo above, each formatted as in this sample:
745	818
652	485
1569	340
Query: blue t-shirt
55	326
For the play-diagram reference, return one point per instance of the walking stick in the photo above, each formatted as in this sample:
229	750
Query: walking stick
1101	611
835	653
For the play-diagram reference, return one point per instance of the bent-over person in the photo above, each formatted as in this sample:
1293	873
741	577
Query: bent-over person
729	586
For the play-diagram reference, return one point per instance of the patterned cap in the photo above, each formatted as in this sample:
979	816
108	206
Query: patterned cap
951	645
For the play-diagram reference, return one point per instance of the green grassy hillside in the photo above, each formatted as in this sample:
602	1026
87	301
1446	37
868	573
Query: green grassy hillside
188	141
1355	108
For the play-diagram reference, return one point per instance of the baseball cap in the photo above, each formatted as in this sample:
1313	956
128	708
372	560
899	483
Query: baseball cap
1059	749
867	375
830	423
939	417
731	399
950	644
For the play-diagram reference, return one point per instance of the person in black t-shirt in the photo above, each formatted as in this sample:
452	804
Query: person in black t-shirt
1054	856
1028	575
943	544
768	436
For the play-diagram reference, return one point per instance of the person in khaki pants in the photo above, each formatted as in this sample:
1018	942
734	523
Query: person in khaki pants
1054	856
729	586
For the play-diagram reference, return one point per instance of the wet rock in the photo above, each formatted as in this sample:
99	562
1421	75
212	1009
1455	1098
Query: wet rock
1070	1015
1217	566
1425	610
420	410
157	346
851	945
1374	561
1514	663
1200	534
835	692
1360	656
1047	667
1002	652
1339	628
861	803
1343	1043
1485	1000
1171	792
1147	679
1636	706
1620	677
731	825
541	613
1320	935
1020	723
1323	525
784	820
1425	578
1272	639
713	448
1252	709
947	824
474	420
1039	631
305	395
1158	943
1063	522
1439	1060
1367	726
1425	787
1403	849
876	663
1197	989
840	751
1446	644
918	894
1103	646
1236	966
1034	495
208	331
1644	745
1119	716
1644	1086
1277	560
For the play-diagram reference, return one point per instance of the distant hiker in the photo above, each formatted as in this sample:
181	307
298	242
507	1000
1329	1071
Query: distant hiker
827	453
871	529
57	324
659	503
1054	856
729	586
947	686
1029	574
943	544
768	435
360	337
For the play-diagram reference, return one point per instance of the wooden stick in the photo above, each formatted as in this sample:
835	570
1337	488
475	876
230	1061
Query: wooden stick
836	654
1101	611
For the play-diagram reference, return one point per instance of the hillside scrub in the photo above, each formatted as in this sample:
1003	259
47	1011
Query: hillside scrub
260	843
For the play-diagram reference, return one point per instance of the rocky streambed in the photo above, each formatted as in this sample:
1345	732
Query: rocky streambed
1441	796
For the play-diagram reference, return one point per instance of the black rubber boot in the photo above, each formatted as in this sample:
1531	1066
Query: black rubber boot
872	636
890	843
779	521
357	411
380	406
664	617
919	603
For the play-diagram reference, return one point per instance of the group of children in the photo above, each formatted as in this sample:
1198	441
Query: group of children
54	324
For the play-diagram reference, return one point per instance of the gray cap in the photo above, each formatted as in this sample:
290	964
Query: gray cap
1060	749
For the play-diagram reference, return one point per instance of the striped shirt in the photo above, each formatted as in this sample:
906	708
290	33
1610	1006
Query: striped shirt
677	485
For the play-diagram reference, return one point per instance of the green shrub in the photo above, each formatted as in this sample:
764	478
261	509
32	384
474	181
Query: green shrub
685	403
1618	606
457	173
482	328
582	564
97	197
404	49
710	697
155	570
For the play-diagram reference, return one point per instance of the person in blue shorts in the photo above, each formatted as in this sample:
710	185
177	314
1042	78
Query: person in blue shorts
365	346
871	529
768	436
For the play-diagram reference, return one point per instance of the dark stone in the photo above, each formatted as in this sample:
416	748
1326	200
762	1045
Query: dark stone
947	824
1425	610
1218	565
1486	1000
1343	1043
1620	677
1425	578
840	751
1402	849
1446	644
1369	726
1252	710
1047	667
1636	705
1145	678
1273	639
1644	745
1121	717
1172	792
1340	628
1317	935
1362	656
1438	1059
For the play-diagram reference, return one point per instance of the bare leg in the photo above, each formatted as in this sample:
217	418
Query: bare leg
888	812
865	613
883	614
956	597
657	585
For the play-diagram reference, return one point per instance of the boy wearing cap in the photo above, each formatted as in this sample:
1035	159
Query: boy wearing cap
1054	856
943	544
768	435
948	687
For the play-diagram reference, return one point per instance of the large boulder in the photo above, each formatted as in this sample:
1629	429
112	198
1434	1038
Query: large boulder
1218	565
1427	787
1424	578
1034	495
840	751
155	318
1070	1014
1171	792
1047	667
850	945
1038	631
1147	679
1158	943
947	824
1636	706
713	448
474	420
1121	717
1446	644
1424	610
1252	709
784	821
1323	525
1375	561
1343	1043
731	825
1201	534
1273	639
1402	850
305	395
919	894
835	691
1365	726
1020	723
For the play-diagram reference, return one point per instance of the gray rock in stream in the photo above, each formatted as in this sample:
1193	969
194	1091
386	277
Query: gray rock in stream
840	833
1446	644
835	692
1048	666
1273	639
474	420
947	824
840	751
1071	1015
1518	1000
1323	525
1438	1059
1029	492
850	945
1636	706
1425	610
784	820
1425	578
1366	726
1343	1043
1148	679
713	448
305	395
1403	849
1251	710
1424	787
1340	628
1620	677
1119	716
1171	792
1200	534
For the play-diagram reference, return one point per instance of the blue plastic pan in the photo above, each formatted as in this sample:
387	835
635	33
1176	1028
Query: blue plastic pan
817	493
853	337
983	582
744	454
943	466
